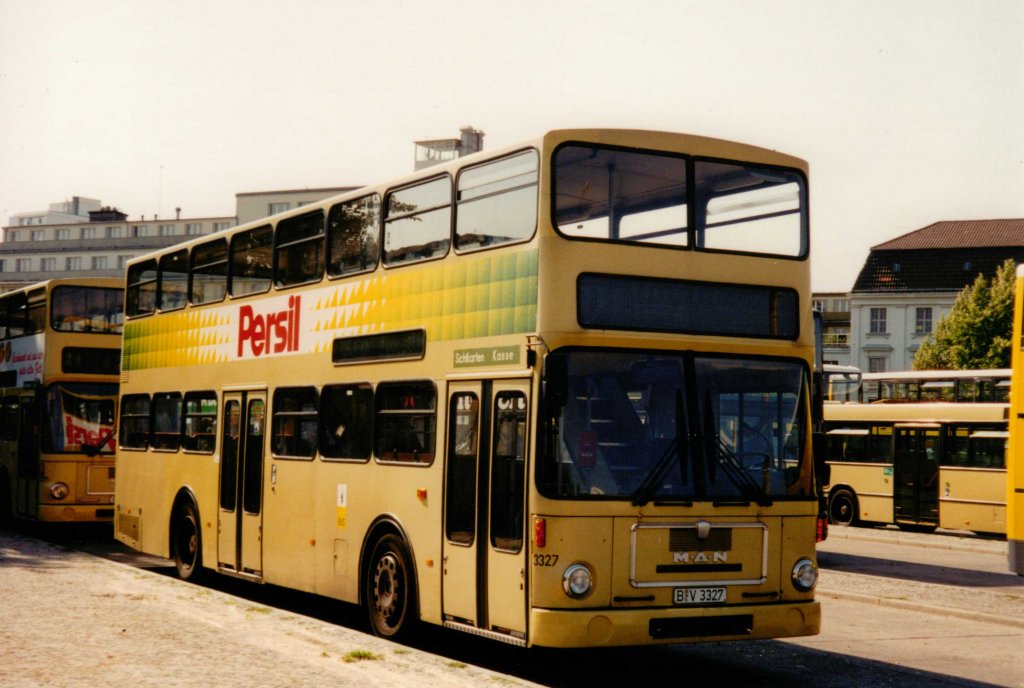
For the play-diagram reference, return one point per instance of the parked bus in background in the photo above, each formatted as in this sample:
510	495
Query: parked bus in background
963	386
1015	455
556	394
842	383
60	352
919	466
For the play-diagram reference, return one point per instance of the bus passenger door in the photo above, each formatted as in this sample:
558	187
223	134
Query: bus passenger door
916	475
27	488
485	546
240	516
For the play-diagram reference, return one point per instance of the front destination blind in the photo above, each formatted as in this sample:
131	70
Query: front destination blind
614	302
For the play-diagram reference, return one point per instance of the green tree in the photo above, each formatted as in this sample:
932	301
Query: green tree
976	333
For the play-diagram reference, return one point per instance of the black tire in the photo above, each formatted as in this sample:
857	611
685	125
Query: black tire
389	591
186	543
842	508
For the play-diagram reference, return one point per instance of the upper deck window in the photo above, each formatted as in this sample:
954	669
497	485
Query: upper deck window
609	194
141	296
299	250
417	225
173	280
87	309
209	272
353	231
497	202
252	268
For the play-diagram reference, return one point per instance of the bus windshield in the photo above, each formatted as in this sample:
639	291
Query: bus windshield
673	427
87	309
80	417
659	198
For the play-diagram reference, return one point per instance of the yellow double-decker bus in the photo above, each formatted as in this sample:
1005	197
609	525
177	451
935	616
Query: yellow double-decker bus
555	394
60	353
920	466
1015	454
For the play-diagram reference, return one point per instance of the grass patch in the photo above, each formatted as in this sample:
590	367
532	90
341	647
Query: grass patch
359	656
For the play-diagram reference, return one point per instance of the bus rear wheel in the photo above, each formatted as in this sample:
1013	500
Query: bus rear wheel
842	508
185	541
389	591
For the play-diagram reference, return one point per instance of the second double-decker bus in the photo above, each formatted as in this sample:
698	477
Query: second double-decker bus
60	353
920	466
556	394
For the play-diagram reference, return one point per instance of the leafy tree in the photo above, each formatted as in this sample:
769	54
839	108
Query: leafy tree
976	333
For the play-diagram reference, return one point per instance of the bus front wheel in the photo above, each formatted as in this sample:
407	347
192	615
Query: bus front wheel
185	539
842	508
389	592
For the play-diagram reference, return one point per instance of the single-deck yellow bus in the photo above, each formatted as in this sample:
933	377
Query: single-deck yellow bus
920	466
60	353
555	395
964	386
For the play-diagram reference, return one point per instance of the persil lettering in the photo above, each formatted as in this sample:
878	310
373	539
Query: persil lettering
266	333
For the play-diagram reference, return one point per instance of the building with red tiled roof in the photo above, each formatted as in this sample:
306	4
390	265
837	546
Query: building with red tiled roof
909	283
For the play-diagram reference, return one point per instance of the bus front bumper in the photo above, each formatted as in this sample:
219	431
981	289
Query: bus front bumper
76	513
609	627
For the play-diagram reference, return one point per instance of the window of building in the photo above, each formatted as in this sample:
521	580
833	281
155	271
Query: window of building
166	230
38	234
878	321
209	272
406	419
13	235
166	421
877	364
417	223
346	421
3	265
295	422
23	265
73	263
299	249
353	230
923	321
252	268
218	226
114	232
123	261
88	232
841	306
193	228
99	262
63	234
275	208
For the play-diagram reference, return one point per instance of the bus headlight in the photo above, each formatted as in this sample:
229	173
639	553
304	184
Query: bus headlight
58	490
805	575
577	581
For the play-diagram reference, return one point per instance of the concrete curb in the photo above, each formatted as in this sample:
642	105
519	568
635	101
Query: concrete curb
921	607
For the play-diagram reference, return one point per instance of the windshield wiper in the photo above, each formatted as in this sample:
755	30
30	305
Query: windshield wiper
718	454
739	476
650	485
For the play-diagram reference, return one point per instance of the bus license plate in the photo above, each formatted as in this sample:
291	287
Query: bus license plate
698	595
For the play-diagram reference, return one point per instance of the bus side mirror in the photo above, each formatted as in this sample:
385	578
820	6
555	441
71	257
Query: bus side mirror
821	468
555	379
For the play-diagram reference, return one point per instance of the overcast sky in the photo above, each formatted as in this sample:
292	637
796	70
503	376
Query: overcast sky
908	111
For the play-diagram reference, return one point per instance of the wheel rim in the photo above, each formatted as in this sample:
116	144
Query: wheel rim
188	543
842	511
388	593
